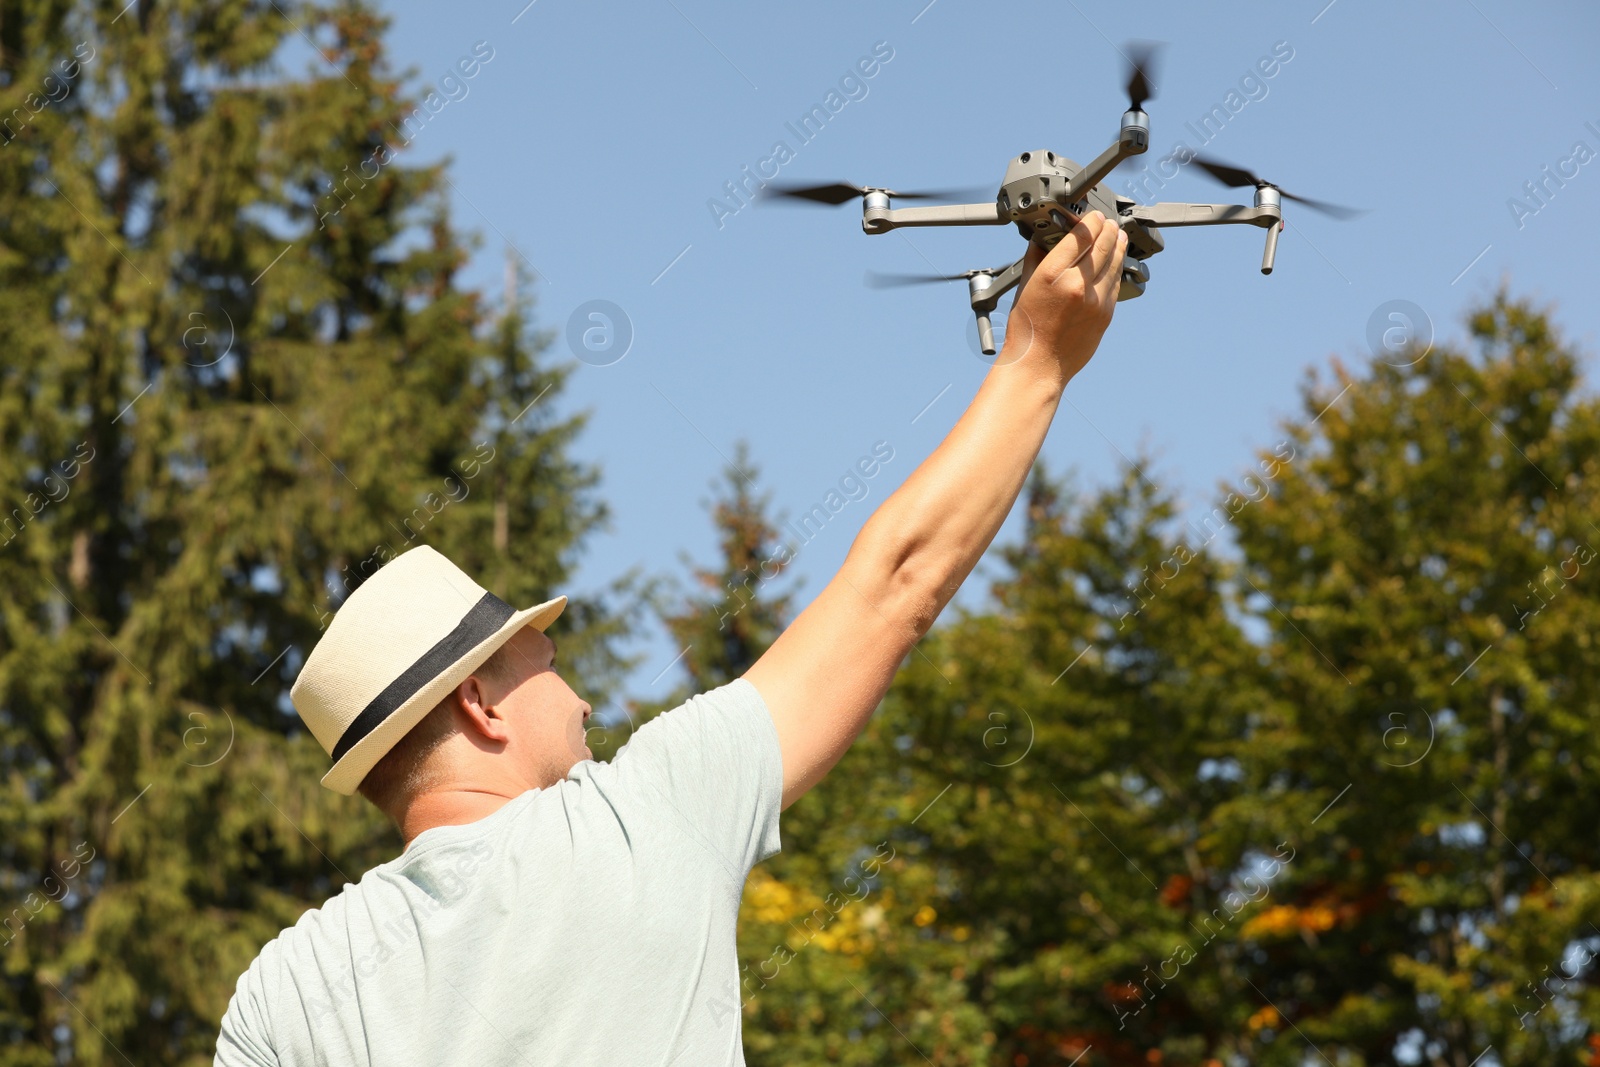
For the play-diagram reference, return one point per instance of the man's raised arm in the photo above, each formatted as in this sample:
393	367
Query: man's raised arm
824	676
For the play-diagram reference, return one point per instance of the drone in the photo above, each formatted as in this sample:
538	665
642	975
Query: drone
1044	194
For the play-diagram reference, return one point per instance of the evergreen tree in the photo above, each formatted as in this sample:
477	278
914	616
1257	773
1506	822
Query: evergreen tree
238	376
1322	798
1432	564
1037	832
731	612
738	613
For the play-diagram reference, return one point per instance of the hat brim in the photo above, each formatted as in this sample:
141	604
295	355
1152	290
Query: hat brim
350	769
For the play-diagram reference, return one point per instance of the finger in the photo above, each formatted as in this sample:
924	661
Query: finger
1109	280
1107	249
1093	225
1030	262
1035	255
1033	258
1104	245
1089	265
1078	242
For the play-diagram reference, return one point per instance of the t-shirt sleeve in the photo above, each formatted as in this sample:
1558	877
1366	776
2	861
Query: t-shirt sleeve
714	763
241	1042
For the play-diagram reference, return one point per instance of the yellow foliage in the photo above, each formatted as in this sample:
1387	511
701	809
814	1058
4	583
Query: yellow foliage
1284	919
1276	921
771	900
1267	1016
810	919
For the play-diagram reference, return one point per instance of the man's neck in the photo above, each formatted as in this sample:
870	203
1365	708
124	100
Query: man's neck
451	807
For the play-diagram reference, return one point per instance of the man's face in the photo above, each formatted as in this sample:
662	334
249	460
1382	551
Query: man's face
545	716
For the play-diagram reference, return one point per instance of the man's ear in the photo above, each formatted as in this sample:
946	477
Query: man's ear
483	721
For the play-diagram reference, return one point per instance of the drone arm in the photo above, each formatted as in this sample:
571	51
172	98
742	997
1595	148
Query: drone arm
1132	140
880	218
985	333
1265	214
1164	215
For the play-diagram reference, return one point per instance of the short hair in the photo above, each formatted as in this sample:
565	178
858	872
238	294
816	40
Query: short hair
404	769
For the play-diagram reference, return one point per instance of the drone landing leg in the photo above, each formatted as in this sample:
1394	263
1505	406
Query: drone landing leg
1272	248
985	291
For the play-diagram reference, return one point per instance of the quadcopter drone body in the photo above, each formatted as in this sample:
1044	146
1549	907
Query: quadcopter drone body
1044	194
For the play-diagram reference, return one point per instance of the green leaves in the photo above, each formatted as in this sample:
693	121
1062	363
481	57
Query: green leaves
261	411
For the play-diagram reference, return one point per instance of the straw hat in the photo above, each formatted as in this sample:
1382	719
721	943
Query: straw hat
409	635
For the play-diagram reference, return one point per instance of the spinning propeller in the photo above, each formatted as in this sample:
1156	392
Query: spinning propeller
1239	178
879	280
843	192
1141	57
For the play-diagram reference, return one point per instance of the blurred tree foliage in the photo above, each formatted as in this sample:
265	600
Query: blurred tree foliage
236	376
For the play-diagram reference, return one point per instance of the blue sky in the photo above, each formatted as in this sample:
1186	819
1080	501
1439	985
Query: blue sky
599	136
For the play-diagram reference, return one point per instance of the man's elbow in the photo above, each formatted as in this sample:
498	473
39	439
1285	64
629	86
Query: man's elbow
923	598
901	578
908	596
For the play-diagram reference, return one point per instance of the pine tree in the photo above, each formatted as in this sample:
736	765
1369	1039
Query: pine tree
739	613
1432	562
238	377
730	613
1023	782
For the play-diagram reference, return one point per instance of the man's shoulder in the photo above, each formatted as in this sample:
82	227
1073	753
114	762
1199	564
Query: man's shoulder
246	1036
435	871
315	925
293	967
735	705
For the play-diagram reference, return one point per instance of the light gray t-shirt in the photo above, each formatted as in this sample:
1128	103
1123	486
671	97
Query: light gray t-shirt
592	922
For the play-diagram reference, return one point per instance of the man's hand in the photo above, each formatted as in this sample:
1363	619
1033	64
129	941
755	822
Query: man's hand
826	674
1067	296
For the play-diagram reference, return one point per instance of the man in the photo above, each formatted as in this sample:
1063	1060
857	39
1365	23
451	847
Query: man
549	909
